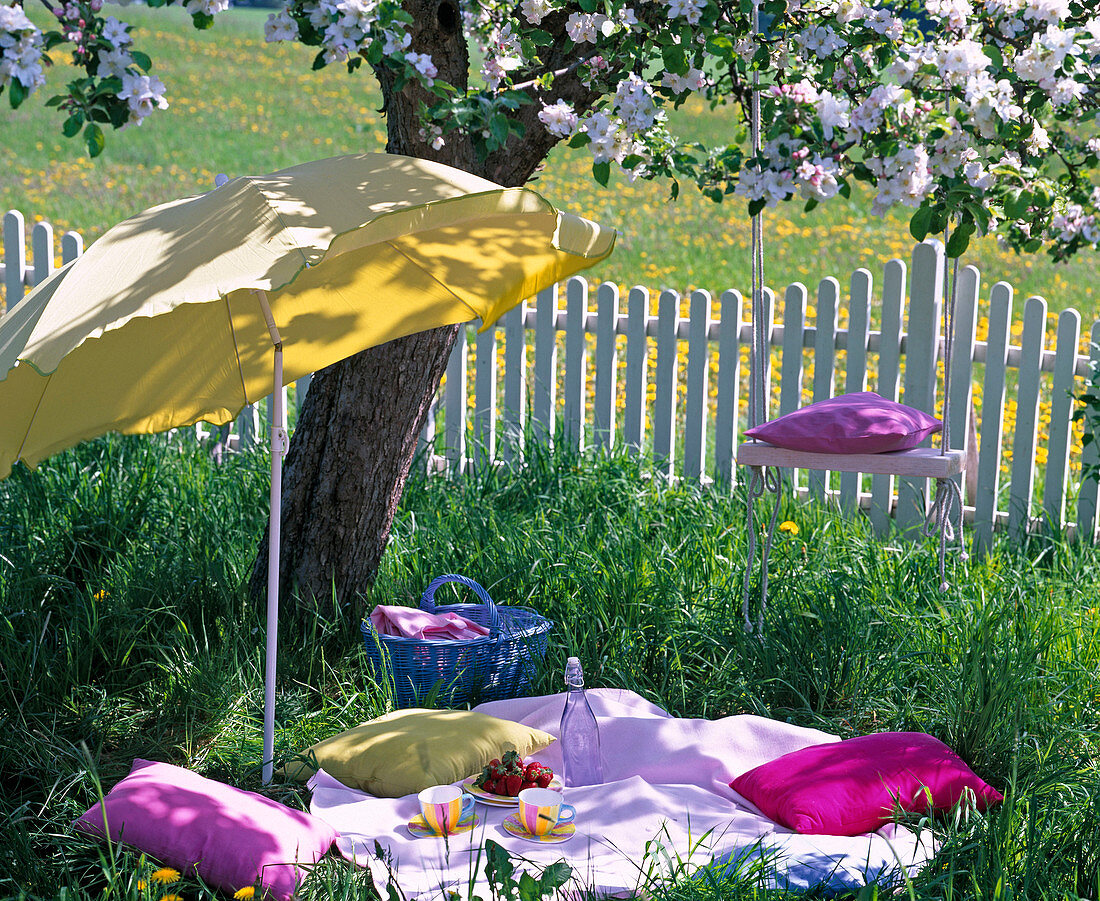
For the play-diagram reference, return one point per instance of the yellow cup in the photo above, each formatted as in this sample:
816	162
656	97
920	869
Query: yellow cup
541	809
442	806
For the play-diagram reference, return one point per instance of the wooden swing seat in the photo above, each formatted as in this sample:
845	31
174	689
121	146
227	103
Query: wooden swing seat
919	462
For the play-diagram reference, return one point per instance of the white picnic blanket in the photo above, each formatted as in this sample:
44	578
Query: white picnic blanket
665	807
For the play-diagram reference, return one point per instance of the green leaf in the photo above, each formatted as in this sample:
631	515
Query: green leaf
921	222
141	60
810	206
16	93
319	61
589	6
755	206
72	125
498	129
675	59
631	161
939	220
1016	204
93	137
721	46
994	56
601	171
580	139
540	37
555	876
845	190
959	239
202	20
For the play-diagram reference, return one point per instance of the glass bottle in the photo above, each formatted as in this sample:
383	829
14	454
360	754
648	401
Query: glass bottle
580	734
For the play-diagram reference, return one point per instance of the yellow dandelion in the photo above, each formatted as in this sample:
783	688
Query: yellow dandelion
165	875
171	897
791	528
100	595
245	894
141	885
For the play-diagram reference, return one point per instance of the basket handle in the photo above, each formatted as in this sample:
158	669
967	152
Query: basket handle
427	600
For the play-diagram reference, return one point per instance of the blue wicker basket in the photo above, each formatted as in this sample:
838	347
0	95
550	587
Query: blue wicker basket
451	672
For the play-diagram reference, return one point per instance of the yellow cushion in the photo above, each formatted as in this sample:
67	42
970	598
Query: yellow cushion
408	750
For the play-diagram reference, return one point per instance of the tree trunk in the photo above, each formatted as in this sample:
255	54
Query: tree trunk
356	433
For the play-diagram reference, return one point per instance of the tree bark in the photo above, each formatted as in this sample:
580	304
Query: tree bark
356	433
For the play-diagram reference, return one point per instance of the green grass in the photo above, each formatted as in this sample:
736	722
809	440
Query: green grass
241	106
124	633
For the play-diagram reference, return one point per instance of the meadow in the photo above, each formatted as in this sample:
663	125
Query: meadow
239	106
124	633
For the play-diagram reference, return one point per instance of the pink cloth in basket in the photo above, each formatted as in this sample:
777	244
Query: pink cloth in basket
409	622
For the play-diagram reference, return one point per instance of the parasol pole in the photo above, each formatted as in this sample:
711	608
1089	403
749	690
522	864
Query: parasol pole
278	448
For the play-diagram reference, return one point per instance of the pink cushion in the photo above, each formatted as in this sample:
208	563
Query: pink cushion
862	423
230	838
854	786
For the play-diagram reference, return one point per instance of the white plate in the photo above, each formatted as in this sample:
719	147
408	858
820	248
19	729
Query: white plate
495	800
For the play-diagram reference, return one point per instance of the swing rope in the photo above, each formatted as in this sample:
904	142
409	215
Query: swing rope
947	506
763	478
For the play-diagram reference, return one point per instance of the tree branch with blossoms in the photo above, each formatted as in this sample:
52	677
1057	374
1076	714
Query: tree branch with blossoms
981	112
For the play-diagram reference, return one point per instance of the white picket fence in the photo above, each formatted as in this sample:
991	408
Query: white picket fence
673	384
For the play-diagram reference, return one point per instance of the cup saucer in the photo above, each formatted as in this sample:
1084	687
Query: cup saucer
419	827
560	833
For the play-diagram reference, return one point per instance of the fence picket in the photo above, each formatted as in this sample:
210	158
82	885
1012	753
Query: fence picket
545	389
607	374
576	315
515	383
962	374
637	367
1089	494
859	333
485	398
922	345
993	412
698	366
792	363
42	250
15	257
72	246
728	387
828	295
664	401
1027	418
889	370
1061	413
454	406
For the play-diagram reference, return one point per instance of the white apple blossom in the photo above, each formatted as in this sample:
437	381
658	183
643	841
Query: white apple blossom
208	7
423	64
113	62
1038	141
143	94
960	60
280	27
1046	10
582	28
834	112
559	119
116	32
692	10
694	80
534	11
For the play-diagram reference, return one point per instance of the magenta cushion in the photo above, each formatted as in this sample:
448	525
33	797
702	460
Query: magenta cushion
862	423
854	786
230	838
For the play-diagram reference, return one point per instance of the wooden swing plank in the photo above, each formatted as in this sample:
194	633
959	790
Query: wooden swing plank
920	462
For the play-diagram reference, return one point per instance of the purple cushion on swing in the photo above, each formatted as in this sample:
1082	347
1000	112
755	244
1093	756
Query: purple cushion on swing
862	423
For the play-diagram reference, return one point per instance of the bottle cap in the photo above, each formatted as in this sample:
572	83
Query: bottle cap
573	661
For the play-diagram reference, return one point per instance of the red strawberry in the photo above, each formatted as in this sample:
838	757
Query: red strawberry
513	783
544	777
528	783
531	773
500	786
